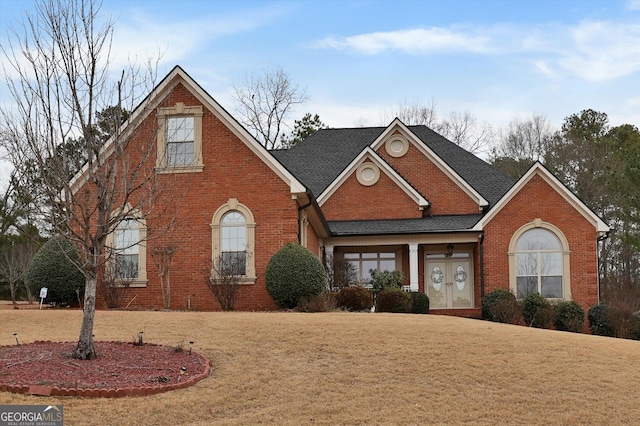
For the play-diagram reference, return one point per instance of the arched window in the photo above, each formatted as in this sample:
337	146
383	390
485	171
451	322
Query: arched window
233	242
232	239
540	262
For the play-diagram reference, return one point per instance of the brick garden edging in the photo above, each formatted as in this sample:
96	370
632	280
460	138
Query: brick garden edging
100	392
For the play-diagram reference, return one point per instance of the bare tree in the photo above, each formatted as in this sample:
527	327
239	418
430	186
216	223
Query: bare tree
264	103
225	278
115	282
58	77
461	128
340	273
163	258
521	144
14	264
414	114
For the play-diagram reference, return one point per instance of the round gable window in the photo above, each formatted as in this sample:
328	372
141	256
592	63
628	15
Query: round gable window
397	145
368	174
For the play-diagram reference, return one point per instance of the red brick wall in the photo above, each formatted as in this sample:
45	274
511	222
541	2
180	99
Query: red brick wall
538	200
444	195
383	200
231	170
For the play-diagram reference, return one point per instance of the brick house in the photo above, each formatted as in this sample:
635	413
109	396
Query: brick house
396	197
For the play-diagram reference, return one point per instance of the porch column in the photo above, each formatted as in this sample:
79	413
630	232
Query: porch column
413	267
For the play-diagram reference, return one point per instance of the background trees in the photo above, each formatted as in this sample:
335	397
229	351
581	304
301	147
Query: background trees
460	127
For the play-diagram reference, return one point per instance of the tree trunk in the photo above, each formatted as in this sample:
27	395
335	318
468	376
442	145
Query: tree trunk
12	289
85	349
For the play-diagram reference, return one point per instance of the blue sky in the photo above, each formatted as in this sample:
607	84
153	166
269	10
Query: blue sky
496	59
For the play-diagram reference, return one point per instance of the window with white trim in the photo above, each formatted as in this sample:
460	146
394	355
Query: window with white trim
364	262
179	144
233	242
127	250
232	239
180	141
539	264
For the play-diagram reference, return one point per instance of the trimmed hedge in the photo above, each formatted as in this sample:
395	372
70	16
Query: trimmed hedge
420	303
355	298
569	317
293	273
500	305
394	300
537	311
53	267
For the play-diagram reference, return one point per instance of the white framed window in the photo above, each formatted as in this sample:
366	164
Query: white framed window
364	262
127	250
539	262
233	242
179	146
180	141
233	239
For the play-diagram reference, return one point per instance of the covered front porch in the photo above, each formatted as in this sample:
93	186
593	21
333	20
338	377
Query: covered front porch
444	264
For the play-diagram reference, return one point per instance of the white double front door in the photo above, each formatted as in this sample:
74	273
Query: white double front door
449	281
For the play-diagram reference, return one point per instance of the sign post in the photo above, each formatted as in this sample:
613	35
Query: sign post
43	295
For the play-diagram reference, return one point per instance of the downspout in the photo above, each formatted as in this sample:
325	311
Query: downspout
481	265
300	220
599	240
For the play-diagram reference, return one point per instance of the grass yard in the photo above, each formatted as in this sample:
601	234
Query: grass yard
356	368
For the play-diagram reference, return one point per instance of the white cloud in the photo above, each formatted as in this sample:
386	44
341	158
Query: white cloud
633	4
602	51
412	41
590	50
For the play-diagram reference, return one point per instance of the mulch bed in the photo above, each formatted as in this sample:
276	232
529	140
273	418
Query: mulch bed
121	369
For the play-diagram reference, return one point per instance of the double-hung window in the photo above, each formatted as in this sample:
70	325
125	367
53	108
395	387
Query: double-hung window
126	249
180	139
179	148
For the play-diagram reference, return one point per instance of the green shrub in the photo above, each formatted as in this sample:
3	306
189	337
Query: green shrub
500	305
420	303
53	267
569	317
537	311
292	273
355	298
385	280
393	300
599	317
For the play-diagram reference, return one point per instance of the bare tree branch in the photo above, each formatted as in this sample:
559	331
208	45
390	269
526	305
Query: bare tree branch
264	103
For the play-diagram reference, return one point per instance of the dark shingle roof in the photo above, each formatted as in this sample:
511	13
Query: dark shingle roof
318	160
423	225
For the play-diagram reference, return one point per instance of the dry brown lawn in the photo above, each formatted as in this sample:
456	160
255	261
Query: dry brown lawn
356	368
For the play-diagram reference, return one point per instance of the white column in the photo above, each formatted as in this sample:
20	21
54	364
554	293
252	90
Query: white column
413	267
